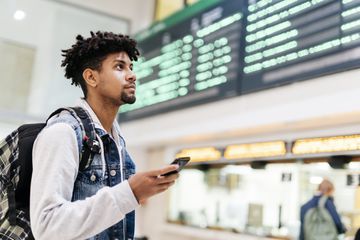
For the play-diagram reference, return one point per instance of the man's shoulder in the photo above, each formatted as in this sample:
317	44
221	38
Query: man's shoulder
311	203
61	128
64	117
64	122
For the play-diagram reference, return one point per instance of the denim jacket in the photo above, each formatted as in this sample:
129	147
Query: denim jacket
112	166
110	173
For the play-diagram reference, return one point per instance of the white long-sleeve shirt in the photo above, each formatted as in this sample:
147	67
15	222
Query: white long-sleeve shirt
55	167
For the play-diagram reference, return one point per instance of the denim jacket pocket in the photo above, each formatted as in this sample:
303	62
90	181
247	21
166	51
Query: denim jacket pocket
92	175
88	182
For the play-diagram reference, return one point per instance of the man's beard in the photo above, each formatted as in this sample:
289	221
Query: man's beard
130	99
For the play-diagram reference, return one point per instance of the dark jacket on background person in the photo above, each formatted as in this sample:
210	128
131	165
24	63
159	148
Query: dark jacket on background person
329	205
357	235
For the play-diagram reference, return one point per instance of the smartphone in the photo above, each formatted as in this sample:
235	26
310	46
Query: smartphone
182	161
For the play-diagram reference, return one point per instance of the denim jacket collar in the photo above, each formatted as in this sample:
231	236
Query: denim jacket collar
116	133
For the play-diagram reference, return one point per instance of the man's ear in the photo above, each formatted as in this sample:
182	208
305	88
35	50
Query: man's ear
90	77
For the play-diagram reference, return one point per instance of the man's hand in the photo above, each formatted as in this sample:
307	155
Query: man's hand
147	184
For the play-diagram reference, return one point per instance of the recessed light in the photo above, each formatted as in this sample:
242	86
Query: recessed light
316	180
19	15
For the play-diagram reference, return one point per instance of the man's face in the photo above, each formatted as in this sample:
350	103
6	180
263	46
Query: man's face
117	80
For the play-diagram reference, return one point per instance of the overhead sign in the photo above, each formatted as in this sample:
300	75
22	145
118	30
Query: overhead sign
291	40
191	61
326	144
201	154
256	150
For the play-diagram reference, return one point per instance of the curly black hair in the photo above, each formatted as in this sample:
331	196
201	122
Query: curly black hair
90	52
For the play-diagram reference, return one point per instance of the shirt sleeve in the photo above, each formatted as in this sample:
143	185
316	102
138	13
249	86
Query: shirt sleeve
330	206
55	167
302	214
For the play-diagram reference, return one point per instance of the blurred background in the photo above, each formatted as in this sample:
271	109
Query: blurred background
263	95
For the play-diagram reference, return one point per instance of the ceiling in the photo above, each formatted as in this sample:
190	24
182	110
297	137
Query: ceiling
140	13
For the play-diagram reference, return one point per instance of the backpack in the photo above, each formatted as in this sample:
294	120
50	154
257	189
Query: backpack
16	170
318	223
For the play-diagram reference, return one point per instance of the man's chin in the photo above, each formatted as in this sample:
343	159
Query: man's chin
129	100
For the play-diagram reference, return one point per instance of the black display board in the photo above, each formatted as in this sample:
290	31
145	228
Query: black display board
291	40
219	49
193	61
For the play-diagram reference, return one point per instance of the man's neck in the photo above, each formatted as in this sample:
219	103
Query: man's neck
106	113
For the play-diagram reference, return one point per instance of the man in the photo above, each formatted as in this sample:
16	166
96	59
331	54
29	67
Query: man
99	202
325	189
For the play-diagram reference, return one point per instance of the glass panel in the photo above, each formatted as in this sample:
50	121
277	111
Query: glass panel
16	65
260	202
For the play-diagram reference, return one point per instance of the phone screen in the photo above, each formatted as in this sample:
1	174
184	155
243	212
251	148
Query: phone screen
179	161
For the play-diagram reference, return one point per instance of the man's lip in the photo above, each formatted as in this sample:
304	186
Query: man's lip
131	89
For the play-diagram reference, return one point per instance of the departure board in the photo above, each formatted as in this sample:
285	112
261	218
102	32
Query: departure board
291	40
223	48
192	62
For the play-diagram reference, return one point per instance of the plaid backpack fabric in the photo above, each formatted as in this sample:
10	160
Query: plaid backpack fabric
16	170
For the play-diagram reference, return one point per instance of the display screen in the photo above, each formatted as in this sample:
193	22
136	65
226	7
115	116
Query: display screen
291	40
192	62
219	49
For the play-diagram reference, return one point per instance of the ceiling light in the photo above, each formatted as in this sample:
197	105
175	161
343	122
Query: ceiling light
19	15
316	180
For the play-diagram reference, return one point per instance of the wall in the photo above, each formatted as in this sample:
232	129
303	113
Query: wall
140	13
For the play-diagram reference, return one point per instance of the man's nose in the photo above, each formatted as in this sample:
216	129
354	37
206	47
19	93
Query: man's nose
131	76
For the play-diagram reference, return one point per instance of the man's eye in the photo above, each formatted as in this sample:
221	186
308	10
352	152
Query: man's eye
120	66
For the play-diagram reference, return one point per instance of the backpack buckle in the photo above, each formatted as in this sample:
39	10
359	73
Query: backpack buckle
92	144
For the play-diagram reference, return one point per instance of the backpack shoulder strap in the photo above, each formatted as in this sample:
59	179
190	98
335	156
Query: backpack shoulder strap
322	201
91	145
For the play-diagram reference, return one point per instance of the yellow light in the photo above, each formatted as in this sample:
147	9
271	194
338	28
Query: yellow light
255	150
327	144
200	154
